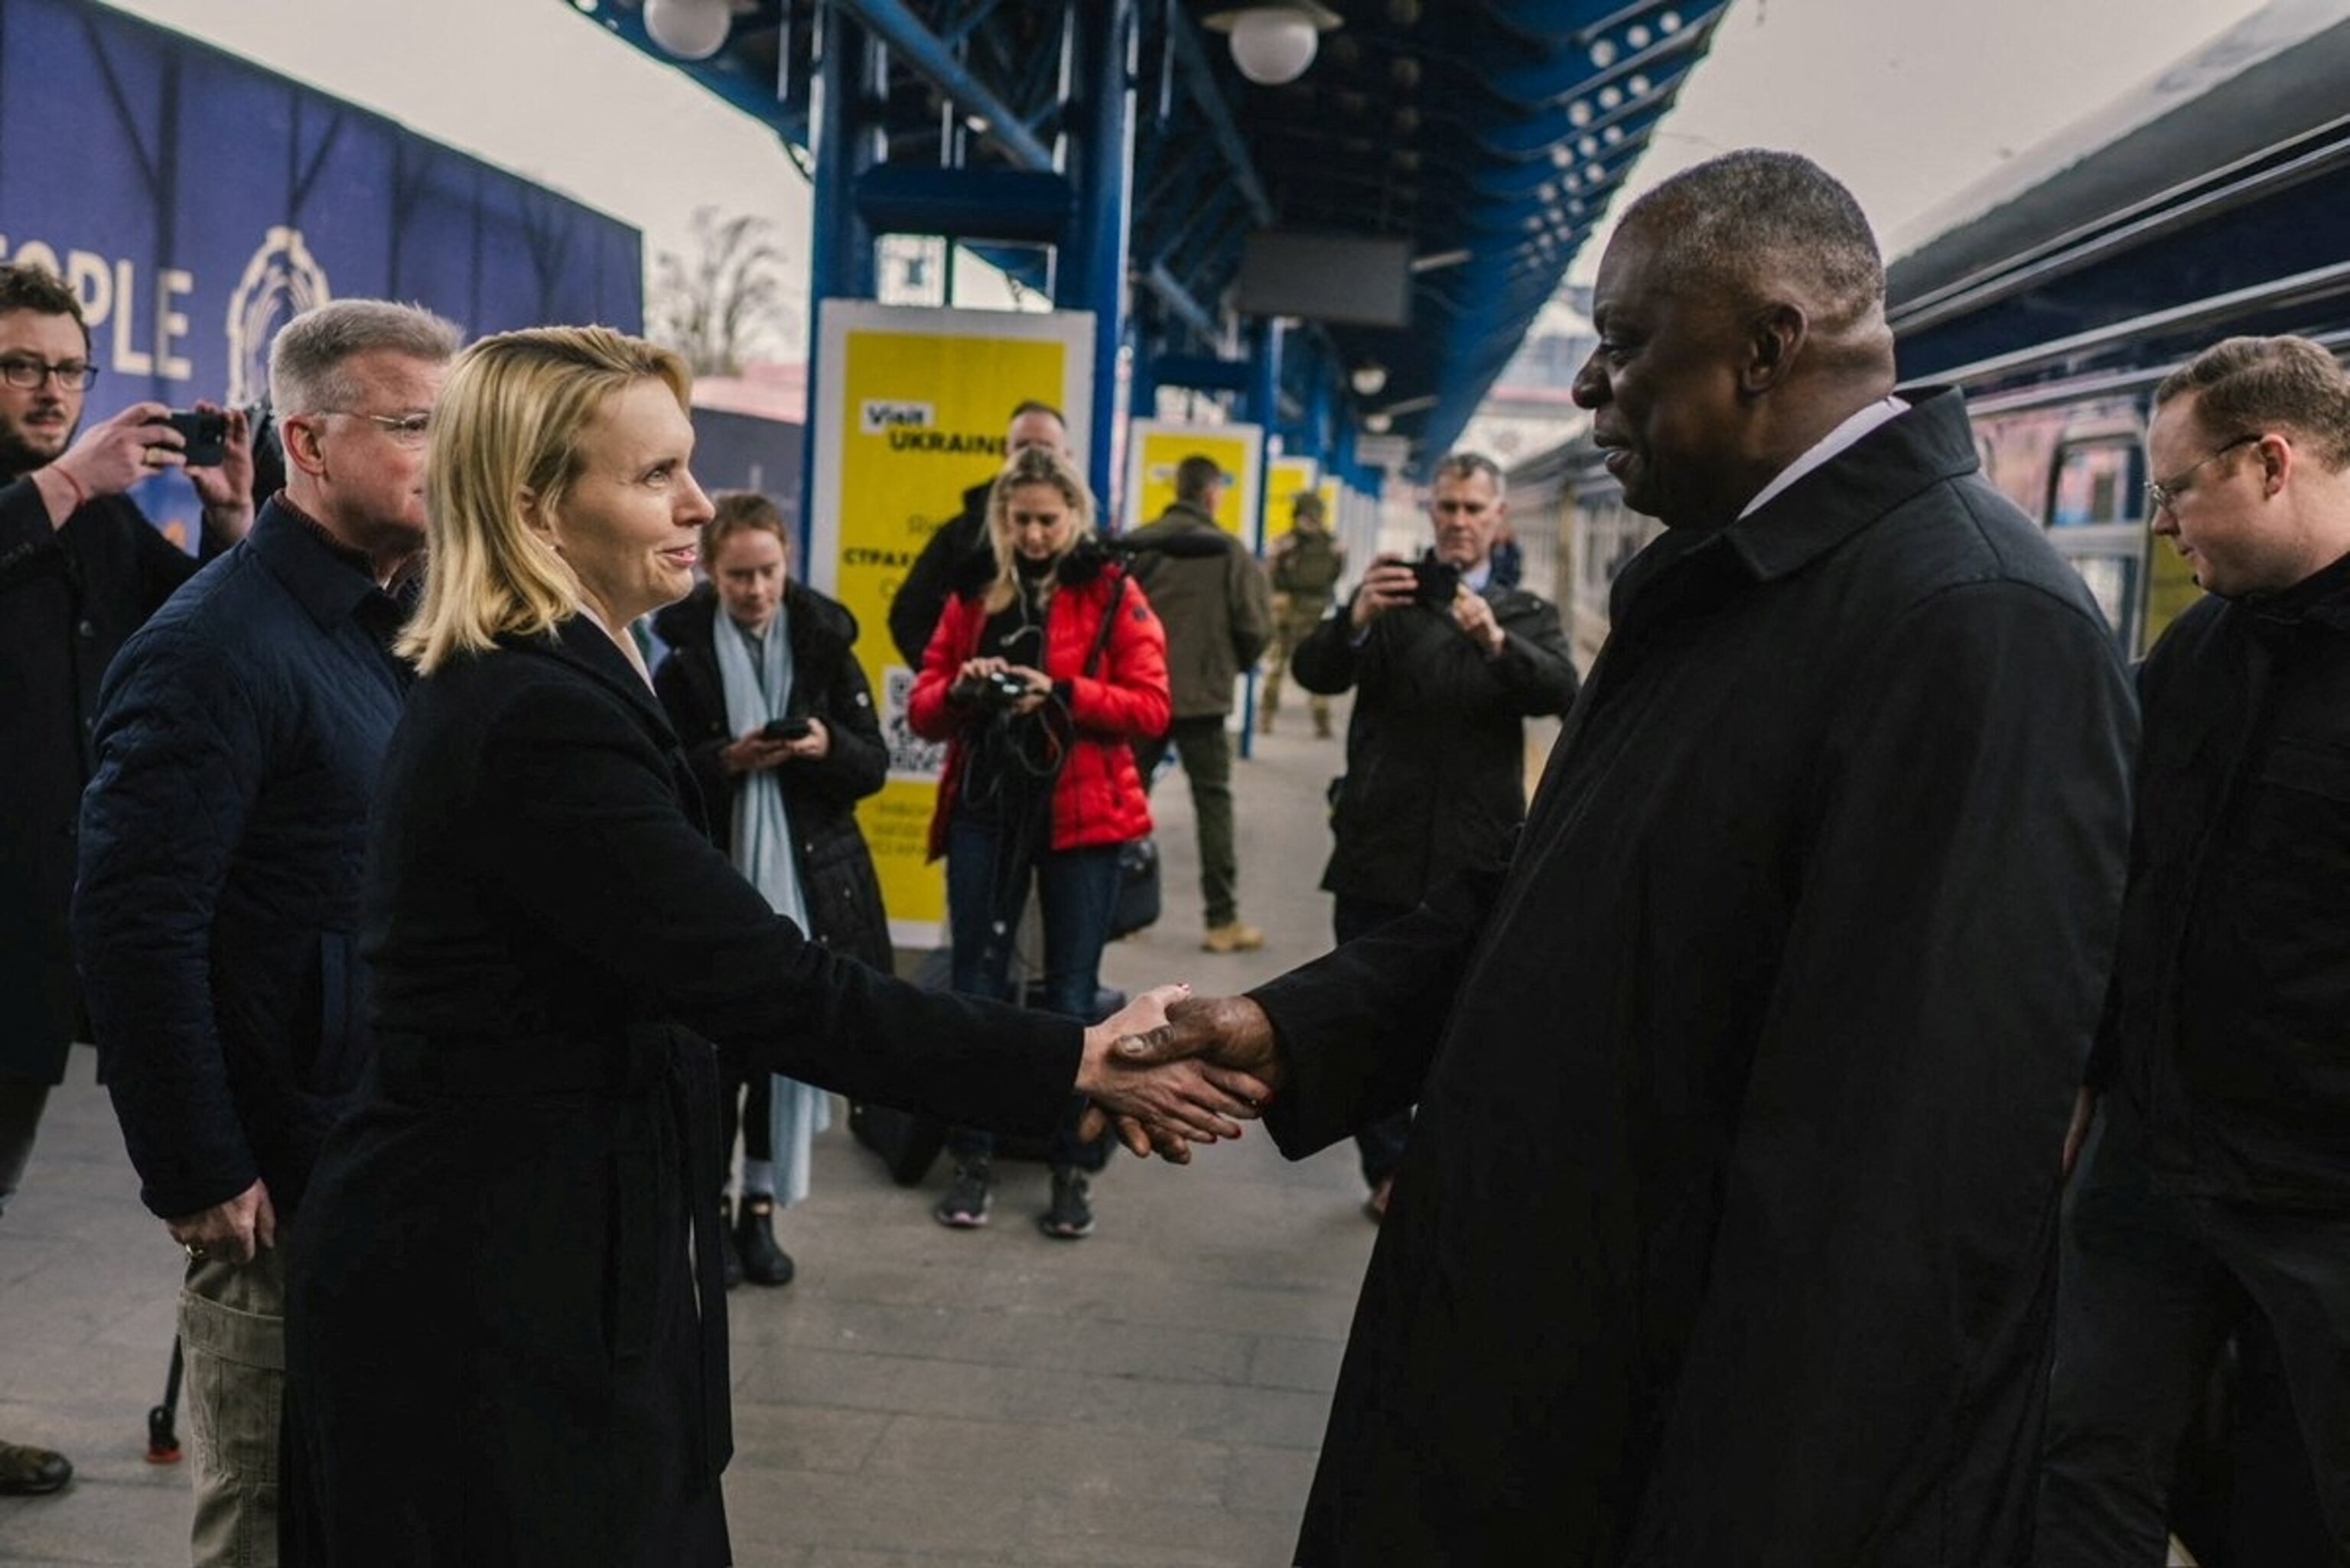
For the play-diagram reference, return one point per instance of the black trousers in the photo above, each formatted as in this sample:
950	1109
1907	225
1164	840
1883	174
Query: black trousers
1380	1143
2152	1286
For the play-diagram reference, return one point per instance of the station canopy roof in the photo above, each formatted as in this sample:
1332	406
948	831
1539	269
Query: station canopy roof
1487	136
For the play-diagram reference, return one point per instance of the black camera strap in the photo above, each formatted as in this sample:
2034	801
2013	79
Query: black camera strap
1108	621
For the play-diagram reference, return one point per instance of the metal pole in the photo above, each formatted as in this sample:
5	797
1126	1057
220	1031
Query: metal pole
1264	409
840	260
1091	270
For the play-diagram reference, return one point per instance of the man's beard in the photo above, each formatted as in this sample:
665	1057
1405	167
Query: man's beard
18	457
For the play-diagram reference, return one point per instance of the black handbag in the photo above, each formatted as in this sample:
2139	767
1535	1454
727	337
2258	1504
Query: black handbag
1137	888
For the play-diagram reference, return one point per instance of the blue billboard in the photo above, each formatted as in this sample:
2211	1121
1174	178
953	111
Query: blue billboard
196	202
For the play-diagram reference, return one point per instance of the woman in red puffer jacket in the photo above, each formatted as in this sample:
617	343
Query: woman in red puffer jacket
1046	669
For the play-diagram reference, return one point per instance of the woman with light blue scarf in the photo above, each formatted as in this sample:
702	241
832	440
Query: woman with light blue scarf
763	688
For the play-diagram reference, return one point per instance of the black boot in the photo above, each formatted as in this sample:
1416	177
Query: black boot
764	1262
730	1259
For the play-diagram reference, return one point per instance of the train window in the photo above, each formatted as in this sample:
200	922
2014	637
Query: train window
2112	583
2096	482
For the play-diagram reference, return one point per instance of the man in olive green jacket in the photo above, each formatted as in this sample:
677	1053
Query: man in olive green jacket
1219	617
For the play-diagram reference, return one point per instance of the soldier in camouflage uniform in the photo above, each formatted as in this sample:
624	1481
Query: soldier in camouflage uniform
1307	565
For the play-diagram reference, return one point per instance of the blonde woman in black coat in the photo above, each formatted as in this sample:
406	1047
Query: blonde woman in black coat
763	684
506	1330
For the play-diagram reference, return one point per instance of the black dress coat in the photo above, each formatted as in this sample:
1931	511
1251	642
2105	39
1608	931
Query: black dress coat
70	597
1726	1231
497	1351
1436	749
836	876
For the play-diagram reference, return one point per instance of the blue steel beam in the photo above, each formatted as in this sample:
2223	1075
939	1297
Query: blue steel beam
1091	273
895	25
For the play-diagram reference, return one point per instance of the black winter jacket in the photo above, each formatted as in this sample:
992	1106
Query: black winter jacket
69	598
2228	1026
240	737
915	609
1436	757
843	894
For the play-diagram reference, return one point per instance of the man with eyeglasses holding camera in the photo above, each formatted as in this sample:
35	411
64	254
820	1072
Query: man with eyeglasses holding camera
80	569
239	741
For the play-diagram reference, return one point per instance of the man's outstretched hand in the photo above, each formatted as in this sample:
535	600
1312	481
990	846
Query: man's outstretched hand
1227	1038
1181	1099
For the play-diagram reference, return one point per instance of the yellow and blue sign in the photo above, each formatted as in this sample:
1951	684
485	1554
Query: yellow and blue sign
911	408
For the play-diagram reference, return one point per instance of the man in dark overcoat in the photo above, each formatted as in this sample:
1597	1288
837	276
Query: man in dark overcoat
80	569
2216	1196
1726	1233
239	740
1445	676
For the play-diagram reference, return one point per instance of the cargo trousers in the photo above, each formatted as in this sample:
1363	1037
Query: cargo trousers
232	1336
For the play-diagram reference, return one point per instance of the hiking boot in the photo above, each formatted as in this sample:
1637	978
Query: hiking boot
1321	725
1264	721
1232	937
30	1473
763	1262
730	1258
966	1203
1071	1215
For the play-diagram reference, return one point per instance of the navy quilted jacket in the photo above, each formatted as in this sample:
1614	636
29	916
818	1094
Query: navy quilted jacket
240	734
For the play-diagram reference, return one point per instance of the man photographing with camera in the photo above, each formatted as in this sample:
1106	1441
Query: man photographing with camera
80	569
1445	668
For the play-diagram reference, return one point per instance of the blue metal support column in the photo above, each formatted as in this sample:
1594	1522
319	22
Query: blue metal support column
1091	273
841	258
1263	396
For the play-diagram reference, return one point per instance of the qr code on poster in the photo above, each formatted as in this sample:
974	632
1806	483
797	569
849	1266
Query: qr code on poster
909	754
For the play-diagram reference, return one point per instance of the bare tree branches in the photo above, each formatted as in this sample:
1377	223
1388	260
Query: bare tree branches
727	304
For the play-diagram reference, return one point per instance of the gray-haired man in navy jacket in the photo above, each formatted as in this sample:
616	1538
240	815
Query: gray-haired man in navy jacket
239	739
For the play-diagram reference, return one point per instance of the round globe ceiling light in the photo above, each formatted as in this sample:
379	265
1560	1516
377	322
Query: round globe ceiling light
1274	44
688	29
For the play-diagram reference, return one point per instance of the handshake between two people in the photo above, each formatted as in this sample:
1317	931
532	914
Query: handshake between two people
1171	1069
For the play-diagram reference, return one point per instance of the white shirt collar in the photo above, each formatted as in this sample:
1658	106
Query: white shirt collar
1827	447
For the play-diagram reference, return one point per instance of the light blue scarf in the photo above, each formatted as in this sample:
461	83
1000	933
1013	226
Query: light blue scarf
763	853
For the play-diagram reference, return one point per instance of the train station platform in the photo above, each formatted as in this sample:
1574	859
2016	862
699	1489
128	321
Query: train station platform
1154	1395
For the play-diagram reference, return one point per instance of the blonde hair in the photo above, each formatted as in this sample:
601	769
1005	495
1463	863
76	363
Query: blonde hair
1031	465
509	422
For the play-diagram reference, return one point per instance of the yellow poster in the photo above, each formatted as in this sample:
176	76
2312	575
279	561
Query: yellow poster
1153	448
911	408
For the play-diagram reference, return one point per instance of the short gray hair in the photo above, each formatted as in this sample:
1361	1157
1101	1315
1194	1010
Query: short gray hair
306	362
1726	223
1467	465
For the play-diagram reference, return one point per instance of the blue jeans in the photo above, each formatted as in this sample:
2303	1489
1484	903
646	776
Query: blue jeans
1077	889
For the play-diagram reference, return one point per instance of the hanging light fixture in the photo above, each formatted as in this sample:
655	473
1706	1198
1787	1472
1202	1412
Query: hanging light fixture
1274	44
688	29
1369	379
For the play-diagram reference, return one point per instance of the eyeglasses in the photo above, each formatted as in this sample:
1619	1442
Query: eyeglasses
2162	494
405	429
73	375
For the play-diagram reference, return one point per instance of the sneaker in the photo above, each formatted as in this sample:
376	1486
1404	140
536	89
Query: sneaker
966	1203
1071	1215
1234	937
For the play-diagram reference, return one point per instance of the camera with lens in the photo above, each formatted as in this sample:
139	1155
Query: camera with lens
993	691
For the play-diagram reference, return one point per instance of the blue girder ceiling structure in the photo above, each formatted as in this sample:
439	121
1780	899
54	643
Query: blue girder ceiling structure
1488	135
